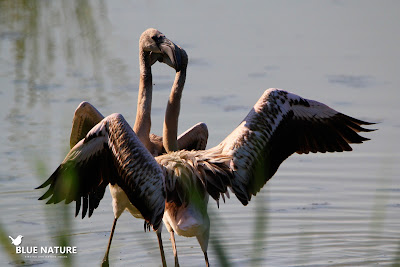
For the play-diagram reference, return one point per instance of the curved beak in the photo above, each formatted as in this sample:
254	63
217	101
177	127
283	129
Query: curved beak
171	54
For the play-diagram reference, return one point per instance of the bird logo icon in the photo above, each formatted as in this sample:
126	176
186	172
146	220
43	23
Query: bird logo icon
17	241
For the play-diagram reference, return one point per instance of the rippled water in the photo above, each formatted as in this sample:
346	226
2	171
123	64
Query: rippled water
318	210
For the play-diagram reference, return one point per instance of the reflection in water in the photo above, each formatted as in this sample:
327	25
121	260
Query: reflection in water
51	48
53	53
52	40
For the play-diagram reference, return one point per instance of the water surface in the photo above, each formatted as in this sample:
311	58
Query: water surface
318	210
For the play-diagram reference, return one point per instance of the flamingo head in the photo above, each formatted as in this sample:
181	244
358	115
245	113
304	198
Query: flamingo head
161	48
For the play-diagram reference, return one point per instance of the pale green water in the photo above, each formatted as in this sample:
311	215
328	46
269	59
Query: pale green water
321	210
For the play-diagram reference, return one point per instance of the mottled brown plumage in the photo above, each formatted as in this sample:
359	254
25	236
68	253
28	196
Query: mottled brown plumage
111	153
280	124
153	46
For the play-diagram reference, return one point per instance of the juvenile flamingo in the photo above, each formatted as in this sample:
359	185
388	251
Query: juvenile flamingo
153	46
279	124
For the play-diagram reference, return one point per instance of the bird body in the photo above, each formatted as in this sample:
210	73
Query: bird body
153	46
279	124
120	202
189	221
190	178
111	153
176	186
187	205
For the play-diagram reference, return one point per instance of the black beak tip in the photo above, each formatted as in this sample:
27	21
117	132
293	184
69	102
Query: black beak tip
178	67
178	59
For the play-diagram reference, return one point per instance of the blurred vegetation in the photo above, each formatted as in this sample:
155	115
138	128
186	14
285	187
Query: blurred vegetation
61	231
259	239
9	248
260	230
396	261
216	245
63	228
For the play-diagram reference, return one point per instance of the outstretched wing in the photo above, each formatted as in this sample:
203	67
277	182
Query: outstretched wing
280	124
86	116
110	153
189	173
194	138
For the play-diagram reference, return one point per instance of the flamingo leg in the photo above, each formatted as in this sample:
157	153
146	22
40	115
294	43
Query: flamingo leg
174	248
105	259
160	244
206	258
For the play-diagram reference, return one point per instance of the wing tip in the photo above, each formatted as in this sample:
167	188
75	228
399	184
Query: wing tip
40	186
46	183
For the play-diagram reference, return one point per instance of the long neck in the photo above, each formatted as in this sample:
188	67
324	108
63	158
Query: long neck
170	130
143	114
